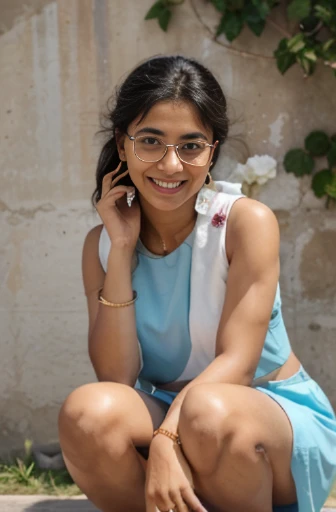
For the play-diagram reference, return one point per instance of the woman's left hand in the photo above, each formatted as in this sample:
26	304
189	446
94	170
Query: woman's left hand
169	484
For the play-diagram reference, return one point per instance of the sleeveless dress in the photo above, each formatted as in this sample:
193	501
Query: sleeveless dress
170	351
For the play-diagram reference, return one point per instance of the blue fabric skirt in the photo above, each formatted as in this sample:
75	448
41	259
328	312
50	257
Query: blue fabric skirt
313	422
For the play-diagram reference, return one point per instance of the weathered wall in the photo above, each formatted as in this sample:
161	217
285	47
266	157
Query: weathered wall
59	62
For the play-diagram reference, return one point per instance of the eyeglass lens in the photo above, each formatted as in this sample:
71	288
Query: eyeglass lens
151	149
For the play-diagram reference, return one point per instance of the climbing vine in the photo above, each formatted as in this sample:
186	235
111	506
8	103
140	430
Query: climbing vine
313	38
302	162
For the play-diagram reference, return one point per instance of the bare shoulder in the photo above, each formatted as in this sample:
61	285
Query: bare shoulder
92	270
248	211
251	223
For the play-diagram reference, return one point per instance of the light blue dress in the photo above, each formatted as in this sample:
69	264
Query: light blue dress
162	316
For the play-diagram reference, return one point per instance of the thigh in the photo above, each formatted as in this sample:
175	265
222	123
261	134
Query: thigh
157	410
247	414
96	410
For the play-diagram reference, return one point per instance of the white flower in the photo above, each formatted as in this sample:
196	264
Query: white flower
258	169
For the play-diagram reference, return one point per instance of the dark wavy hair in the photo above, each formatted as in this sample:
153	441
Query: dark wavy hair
160	78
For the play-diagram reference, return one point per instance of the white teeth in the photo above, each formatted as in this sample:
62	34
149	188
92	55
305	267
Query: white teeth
164	184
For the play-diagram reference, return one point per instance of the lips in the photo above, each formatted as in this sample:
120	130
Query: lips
166	186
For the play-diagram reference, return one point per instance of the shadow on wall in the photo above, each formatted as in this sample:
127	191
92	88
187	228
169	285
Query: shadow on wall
63	505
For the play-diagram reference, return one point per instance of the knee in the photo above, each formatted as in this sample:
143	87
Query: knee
212	425
207	414
91	412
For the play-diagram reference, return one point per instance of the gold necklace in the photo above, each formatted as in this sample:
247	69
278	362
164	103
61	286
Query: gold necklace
163	244
164	247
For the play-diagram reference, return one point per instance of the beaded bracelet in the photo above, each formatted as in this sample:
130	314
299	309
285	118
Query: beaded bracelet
173	437
116	305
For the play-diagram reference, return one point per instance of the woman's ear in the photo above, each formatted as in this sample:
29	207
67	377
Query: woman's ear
120	140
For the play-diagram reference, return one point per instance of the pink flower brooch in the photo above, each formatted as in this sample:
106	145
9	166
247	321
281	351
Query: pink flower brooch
218	220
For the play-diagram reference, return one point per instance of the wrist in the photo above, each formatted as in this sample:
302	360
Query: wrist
120	256
168	434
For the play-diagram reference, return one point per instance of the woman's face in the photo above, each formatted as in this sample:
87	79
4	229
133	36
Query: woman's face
173	123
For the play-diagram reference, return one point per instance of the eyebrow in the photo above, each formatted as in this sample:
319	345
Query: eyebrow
186	136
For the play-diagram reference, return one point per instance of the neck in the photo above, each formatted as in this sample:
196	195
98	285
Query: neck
166	229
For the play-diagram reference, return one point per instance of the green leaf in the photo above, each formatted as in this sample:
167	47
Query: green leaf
285	59
299	9
231	25
251	16
307	65
324	13
155	10
262	7
331	156
298	162
317	143
333	138
310	55
320	180
330	188
250	13
296	43
164	19
327	45
327	52
257	27
30	469
220	5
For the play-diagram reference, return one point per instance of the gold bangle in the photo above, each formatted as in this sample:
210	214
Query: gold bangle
173	437
116	305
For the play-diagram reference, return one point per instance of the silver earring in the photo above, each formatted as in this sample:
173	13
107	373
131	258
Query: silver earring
130	197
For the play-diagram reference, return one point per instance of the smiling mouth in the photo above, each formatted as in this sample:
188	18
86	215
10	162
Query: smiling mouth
169	185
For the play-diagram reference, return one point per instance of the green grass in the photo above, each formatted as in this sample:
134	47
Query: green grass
19	478
22	476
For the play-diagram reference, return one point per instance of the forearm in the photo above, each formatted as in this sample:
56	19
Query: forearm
113	344
222	370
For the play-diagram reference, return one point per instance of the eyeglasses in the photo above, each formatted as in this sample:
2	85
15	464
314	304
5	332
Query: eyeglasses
152	149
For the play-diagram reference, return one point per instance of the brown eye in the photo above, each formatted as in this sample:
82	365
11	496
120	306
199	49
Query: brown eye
149	140
192	145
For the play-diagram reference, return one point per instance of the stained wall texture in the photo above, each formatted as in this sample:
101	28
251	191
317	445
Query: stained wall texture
59	62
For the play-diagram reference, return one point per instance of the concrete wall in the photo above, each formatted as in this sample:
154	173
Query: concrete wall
59	62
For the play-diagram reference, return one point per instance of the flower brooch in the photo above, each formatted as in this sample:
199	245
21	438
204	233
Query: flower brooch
218	220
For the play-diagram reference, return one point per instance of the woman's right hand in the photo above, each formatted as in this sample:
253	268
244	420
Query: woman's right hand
121	221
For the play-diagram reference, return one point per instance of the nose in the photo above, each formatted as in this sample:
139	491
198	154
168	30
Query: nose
170	163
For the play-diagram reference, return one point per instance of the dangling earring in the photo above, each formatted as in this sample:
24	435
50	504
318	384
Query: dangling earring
205	195
209	183
130	196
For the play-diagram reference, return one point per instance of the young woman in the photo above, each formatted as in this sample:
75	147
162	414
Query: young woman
201	403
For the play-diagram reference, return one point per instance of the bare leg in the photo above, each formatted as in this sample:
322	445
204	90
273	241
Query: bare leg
99	426
238	442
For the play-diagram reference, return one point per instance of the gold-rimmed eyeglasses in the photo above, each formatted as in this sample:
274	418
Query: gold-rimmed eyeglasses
152	149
